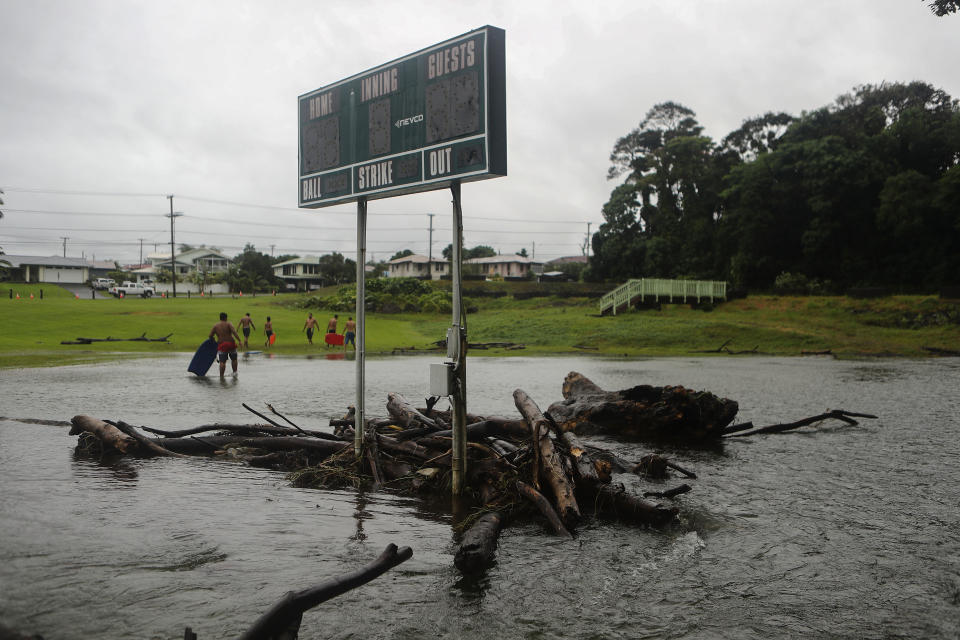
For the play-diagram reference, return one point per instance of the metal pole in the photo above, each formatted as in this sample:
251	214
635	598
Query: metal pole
459	336
430	249
173	264
361	337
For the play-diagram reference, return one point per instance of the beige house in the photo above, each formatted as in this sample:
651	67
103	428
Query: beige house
417	266
301	274
506	266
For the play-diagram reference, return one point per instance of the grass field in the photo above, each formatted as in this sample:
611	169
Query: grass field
32	329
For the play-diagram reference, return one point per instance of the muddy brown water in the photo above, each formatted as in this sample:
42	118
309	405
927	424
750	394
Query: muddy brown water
836	532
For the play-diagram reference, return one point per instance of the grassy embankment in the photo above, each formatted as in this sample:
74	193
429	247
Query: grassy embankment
900	325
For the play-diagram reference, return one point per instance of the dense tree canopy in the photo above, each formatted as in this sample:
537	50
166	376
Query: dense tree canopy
943	7
863	191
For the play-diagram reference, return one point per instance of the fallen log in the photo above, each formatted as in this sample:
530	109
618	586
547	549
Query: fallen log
241	429
583	466
284	616
617	502
837	414
404	413
669	493
477	549
544	506
645	412
107	434
146	445
549	461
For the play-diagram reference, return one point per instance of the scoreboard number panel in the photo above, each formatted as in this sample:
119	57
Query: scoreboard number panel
415	124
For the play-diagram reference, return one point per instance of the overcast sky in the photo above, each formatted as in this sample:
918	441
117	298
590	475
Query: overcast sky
106	107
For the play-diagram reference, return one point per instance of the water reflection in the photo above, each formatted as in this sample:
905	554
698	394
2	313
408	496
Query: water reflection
360	514
92	465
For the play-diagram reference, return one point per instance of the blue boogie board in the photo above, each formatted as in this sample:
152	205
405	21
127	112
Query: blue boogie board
204	357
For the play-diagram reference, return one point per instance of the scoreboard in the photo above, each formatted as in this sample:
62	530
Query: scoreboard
415	124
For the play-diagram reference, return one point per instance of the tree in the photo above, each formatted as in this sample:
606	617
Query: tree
334	268
757	135
401	254
480	251
661	220
522	253
943	7
251	270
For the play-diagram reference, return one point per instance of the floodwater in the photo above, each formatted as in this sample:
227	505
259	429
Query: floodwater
834	532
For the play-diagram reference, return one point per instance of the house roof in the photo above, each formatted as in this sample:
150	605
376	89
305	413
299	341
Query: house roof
46	261
566	259
303	260
503	260
416	258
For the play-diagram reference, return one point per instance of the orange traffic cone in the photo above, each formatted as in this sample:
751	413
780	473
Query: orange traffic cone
77	296
31	296
241	294
18	296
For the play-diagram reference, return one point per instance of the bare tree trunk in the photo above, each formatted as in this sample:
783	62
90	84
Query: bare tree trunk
549	460
282	616
543	505
108	434
478	548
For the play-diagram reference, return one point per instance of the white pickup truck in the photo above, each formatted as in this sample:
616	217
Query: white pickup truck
132	289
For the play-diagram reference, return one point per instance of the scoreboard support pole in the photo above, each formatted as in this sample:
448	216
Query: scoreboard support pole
361	338
457	347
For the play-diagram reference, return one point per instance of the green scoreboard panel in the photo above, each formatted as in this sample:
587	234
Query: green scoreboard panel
415	124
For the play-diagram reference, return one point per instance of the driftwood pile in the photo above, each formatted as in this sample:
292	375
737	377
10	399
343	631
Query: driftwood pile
517	467
141	338
533	465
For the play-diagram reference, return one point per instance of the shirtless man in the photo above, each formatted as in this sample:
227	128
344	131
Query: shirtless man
309	327
349	333
267	331
332	326
246	324
225	333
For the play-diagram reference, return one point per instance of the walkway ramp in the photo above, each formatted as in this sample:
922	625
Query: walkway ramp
660	290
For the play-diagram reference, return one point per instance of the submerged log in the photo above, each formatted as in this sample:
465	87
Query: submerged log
107	434
405	413
478	548
286	614
836	414
549	461
617	502
644	411
544	506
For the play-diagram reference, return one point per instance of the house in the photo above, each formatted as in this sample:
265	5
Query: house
101	268
417	266
570	259
48	269
185	263
301	274
508	267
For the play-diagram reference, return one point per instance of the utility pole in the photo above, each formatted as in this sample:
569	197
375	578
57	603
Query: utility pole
586	244
533	254
141	251
430	249
64	245
173	264
271	249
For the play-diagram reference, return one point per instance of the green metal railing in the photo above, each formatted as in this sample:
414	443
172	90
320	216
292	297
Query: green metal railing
657	288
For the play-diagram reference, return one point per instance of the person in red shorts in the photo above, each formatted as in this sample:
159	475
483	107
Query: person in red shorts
225	332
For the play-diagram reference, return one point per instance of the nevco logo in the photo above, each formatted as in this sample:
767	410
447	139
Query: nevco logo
411	120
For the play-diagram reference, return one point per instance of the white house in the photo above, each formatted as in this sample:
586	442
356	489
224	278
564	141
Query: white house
301	274
185	263
506	266
48	269
417	266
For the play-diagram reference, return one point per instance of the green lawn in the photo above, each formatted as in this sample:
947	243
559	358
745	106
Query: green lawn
32	329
